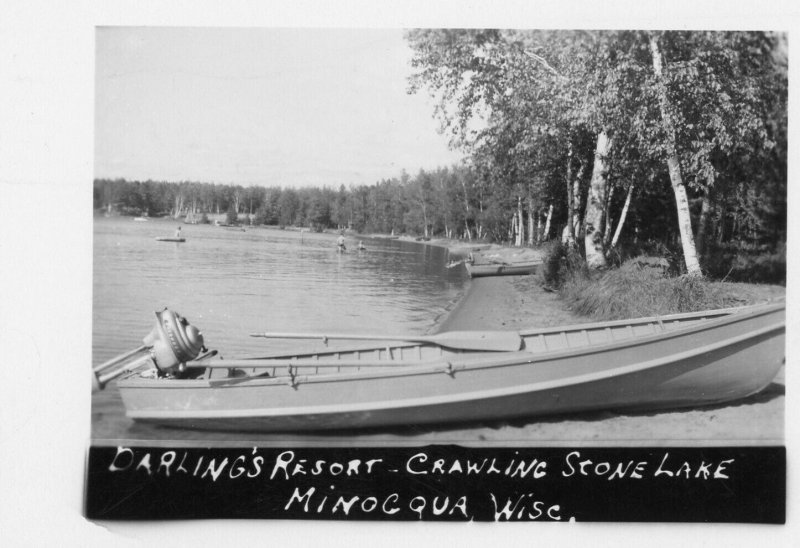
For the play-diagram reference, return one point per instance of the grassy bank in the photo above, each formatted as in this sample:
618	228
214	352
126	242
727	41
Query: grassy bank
641	286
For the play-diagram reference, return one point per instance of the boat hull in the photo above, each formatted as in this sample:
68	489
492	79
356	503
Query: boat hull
519	269
709	362
178	240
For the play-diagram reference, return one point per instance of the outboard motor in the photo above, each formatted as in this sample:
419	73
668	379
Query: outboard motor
169	345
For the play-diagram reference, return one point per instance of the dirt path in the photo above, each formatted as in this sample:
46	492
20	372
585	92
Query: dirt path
508	302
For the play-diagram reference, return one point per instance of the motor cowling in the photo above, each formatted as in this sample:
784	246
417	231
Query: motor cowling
173	341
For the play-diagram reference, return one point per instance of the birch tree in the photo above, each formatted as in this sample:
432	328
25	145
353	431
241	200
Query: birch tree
673	164
595	207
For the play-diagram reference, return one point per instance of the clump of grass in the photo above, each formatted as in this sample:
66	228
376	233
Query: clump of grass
640	287
561	262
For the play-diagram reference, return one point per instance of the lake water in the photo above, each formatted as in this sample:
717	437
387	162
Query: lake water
230	283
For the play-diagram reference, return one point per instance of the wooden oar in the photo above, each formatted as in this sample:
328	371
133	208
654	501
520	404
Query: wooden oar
497	341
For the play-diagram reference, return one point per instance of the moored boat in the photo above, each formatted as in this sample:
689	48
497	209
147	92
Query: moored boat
477	270
651	363
179	240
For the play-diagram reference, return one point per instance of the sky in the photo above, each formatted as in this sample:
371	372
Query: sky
288	107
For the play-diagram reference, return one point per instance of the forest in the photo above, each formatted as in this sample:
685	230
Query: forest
614	142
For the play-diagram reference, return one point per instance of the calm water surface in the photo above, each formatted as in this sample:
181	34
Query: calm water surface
230	283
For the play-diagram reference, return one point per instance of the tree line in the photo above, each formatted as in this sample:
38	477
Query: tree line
450	201
437	202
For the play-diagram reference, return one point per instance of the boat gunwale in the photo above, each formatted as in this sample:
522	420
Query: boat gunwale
725	318
712	315
474	360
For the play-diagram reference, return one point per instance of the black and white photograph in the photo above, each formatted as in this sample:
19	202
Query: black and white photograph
591	252
368	275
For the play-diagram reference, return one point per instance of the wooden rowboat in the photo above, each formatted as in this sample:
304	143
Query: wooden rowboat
501	269
651	363
179	240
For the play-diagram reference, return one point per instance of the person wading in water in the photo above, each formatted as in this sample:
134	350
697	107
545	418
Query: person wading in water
340	243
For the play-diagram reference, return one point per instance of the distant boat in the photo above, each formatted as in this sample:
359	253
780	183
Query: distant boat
141	219
178	240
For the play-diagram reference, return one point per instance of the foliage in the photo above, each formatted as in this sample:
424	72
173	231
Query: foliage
739	262
443	202
560	263
528	105
638	288
232	217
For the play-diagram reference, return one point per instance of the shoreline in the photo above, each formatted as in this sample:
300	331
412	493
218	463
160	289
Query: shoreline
500	303
507	303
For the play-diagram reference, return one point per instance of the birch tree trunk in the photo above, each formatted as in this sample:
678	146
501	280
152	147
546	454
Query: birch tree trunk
595	204
530	221
576	207
424	219
681	200
609	223
622	216
570	228
546	232
178	205
520	224
466	210
480	213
